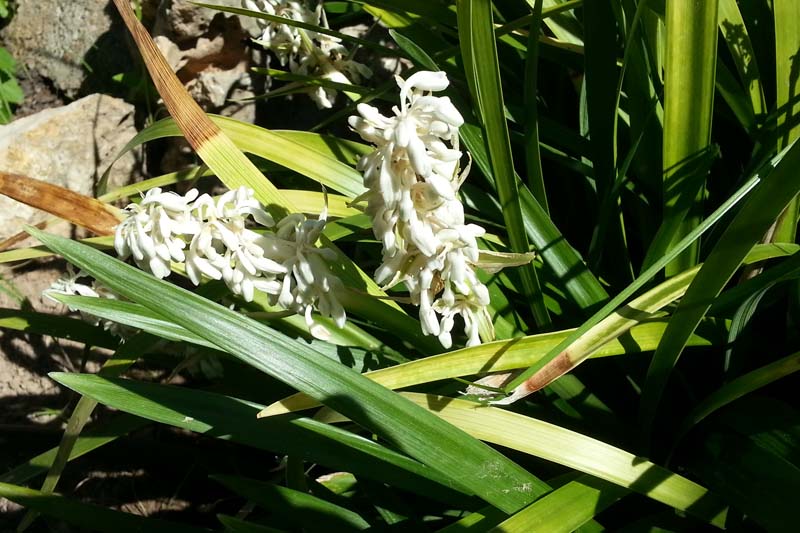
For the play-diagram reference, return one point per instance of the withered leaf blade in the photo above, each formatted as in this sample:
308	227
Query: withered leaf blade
206	138
81	210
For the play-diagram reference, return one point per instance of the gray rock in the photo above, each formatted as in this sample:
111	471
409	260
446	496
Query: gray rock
60	39
69	146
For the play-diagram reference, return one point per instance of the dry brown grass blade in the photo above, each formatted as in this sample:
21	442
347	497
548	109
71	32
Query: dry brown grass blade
81	210
210	143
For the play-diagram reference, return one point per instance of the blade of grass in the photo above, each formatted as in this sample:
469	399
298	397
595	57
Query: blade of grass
88	516
688	102
57	326
479	50
324	159
116	365
607	329
533	159
600	90
747	228
369	404
297	508
89	441
738	388
787	73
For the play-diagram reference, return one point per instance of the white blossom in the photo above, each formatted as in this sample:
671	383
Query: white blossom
413	178
154	229
70	284
305	52
230	238
309	283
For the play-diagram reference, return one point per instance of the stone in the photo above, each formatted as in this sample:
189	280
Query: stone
64	41
70	146
182	21
206	49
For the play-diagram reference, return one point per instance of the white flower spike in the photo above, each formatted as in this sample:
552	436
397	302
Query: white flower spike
413	177
212	238
305	52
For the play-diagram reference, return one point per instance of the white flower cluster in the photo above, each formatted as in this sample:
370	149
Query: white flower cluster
71	285
413	180
211	238
306	52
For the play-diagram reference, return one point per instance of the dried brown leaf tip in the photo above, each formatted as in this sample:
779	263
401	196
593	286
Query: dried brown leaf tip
81	210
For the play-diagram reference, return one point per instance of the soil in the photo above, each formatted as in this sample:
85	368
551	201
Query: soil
39	94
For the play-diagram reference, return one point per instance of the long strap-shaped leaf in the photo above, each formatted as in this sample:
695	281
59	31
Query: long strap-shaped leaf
688	105
81	210
565	509
655	268
123	358
499	356
607	329
787	43
300	509
213	146
90	517
479	50
747	228
577	451
234	420
485	471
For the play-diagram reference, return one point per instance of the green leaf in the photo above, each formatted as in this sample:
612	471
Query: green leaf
369	404
740	387
89	441
611	327
311	81
478	48
654	269
533	158
309	154
688	103
565	509
571	449
122	360
748	473
787	45
88	516
133	315
733	29
57	326
746	229
297	508
502	356
233	419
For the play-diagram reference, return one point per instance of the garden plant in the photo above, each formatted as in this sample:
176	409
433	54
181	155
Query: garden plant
542	276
